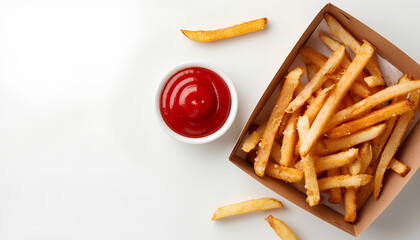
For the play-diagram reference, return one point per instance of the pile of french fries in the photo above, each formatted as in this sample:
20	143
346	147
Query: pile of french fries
338	133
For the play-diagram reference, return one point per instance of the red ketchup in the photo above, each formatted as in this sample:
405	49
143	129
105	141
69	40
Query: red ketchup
195	102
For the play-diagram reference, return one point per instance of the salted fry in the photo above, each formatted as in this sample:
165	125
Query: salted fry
365	155
343	181
275	153
282	230
355	166
314	61
336	96
332	161
354	45
371	119
394	142
333	45
373	81
254	138
286	94
283	125
370	102
316	105
286	174
398	167
349	198
335	193
336	160
236	30
247	206
313	196
334	145
316	82
363	194
289	139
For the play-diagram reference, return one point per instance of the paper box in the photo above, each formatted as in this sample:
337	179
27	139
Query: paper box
392	61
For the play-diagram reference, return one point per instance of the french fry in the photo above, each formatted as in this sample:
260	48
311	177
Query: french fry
355	166
254	138
236	30
333	45
282	230
335	193
313	109
286	174
373	81
283	125
334	145
336	96
247	206
313	196
398	167
343	181
275	153
394	142
314	61
363	194
316	105
311	71
365	154
316	82
370	102
371	119
286	94
350	207
300	88
379	145
354	45
335	160
289	139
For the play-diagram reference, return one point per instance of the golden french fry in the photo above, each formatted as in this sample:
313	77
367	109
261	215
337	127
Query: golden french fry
275	153
365	154
353	44
333	45
336	160
316	105
336	96
283	125
247	206
350	207
373	81
311	71
355	166
316	82
313	196
343	181
300	88
332	161
370	102
286	94
363	194
236	30
334	145
254	138
282	230
286	174
314	61
371	119
398	167
335	193
394	142
289	139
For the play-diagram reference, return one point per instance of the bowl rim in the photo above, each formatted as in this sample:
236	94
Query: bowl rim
233	108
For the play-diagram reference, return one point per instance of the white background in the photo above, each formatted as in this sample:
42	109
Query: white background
81	153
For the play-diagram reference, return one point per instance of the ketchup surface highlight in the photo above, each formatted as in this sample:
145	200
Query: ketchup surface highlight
195	102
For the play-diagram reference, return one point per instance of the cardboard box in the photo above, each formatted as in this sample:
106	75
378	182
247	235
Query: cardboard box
407	153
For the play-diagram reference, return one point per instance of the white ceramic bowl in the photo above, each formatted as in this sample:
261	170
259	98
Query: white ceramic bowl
229	120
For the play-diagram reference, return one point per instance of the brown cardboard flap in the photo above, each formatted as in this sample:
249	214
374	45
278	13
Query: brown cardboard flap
407	153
